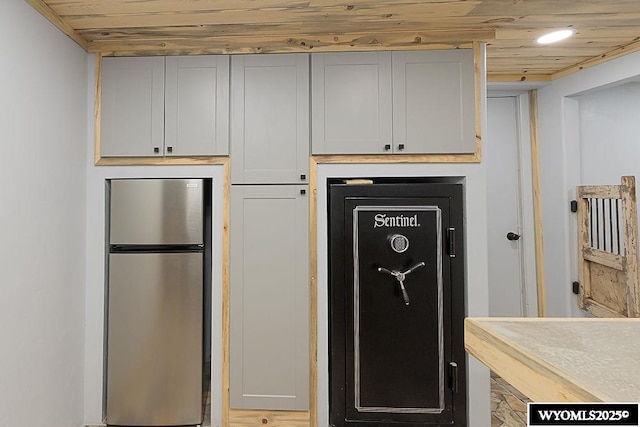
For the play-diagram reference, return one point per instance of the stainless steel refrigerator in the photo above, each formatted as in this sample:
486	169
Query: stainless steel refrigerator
155	302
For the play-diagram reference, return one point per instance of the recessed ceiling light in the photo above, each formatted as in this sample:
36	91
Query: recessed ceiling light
555	36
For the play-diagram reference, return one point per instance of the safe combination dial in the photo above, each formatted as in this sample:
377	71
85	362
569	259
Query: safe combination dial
399	243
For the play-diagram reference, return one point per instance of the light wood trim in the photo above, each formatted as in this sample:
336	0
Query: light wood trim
478	77
252	418
62	25
616	53
161	161
630	216
179	47
397	158
495	78
532	376
313	292
605	258
537	201
600	310
97	109
488	320
599	192
301	42
584	272
226	261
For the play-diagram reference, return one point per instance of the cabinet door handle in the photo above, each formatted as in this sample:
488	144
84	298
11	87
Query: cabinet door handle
303	192
400	147
387	147
303	177
169	149
156	150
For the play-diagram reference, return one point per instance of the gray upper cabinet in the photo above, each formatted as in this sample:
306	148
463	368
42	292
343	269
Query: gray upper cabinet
173	106
269	297
417	102
434	102
197	105
270	119
351	103
132	106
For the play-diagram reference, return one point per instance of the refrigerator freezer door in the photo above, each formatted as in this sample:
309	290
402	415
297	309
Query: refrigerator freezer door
154	358
156	211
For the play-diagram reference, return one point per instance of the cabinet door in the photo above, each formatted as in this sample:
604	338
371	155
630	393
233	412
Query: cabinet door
197	106
270	119
269	343
132	121
351	96
434	101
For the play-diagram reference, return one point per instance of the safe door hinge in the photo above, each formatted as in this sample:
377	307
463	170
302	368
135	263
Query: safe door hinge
575	287
451	233
453	376
574	206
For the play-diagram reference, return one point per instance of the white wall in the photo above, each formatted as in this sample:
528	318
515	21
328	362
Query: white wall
43	113
609	134
559	124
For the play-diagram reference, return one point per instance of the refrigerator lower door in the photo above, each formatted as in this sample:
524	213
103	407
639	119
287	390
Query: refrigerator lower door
154	347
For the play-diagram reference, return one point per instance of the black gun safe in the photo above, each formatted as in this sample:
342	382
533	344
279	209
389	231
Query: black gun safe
396	302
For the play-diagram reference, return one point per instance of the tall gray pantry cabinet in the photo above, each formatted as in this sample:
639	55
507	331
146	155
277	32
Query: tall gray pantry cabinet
269	271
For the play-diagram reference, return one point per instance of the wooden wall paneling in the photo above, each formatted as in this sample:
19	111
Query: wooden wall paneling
630	215
537	200
372	11
548	7
609	285
115	7
605	30
608	280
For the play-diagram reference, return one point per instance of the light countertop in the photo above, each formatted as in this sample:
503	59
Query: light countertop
561	359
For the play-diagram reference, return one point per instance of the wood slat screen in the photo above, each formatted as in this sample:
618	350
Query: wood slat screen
608	249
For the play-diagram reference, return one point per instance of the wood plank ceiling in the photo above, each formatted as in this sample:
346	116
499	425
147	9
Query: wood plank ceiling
605	28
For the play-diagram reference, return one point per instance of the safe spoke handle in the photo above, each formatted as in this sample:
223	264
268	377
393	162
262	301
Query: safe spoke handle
400	276
389	272
405	295
414	268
